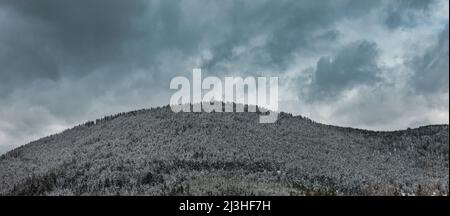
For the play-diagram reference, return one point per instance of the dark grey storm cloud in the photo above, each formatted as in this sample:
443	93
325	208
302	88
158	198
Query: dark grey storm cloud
431	69
63	62
355	64
50	39
288	24
78	37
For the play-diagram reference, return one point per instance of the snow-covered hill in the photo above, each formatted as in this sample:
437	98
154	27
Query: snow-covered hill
158	152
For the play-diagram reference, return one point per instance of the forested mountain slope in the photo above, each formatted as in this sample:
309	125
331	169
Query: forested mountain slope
158	152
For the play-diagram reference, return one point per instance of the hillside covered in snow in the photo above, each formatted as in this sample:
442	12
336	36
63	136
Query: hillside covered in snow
158	152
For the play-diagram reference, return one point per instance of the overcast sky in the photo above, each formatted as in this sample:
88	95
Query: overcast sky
379	65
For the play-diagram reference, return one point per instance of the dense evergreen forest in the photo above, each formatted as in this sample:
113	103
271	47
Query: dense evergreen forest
158	152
